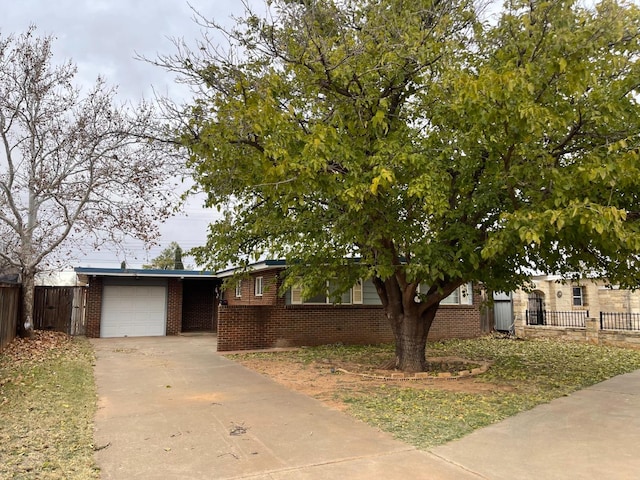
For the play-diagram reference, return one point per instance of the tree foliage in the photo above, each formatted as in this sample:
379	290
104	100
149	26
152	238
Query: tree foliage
435	146
77	171
169	259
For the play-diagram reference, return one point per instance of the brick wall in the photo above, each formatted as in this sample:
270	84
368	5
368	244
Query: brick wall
198	305
245	327
248	296
458	321
174	306
94	308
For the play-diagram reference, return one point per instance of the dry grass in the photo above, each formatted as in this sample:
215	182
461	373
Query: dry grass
431	412
47	404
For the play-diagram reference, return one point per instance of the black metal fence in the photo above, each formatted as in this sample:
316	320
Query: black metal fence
557	319
619	321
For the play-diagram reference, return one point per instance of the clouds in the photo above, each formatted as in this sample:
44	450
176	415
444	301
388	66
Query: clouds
103	38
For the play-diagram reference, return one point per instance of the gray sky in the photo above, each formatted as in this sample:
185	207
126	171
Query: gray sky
102	37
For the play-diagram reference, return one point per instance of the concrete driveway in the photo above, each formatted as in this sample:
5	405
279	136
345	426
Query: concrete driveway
172	408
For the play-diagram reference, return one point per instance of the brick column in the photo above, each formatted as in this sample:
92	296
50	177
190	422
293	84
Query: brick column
94	307
174	307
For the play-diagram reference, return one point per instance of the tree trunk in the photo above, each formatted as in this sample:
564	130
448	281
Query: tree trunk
410	318
25	328
410	333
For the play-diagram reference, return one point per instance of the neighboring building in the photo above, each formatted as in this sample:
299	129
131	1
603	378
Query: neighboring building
58	279
589	296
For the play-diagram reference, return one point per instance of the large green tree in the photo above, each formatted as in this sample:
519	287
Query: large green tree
437	145
169	259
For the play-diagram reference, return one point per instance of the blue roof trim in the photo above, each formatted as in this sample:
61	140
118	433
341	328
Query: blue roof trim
142	272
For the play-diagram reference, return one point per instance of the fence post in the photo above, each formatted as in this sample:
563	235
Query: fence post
592	330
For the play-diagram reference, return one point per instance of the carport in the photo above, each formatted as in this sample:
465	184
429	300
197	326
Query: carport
140	302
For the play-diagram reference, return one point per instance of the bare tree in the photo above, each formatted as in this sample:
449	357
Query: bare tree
77	170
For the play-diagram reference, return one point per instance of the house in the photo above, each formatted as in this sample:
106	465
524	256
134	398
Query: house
251	314
585	310
590	297
140	302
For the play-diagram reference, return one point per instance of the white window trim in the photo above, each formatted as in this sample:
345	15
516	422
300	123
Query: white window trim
239	289
574	296
258	287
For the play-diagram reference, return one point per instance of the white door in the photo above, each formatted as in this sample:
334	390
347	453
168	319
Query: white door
133	311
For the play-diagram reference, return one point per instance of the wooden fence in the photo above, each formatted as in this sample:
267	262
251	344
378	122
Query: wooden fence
9	313
60	309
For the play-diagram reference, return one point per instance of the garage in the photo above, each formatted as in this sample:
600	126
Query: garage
133	311
125	302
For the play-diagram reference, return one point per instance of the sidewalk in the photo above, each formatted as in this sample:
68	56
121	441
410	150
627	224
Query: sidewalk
171	408
591	434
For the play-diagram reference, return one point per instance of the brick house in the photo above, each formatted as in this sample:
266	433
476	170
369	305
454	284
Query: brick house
139	302
252	315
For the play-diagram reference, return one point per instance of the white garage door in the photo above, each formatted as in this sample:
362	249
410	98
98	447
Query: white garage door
133	311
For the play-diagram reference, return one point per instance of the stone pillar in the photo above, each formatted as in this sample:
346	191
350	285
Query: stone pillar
518	325
593	330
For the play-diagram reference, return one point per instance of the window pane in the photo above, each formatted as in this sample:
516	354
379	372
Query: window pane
342	298
320	298
577	296
453	299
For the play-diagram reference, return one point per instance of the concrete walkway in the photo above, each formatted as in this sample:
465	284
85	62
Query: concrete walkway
172	408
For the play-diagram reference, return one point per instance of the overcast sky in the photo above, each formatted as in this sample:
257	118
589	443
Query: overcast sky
102	37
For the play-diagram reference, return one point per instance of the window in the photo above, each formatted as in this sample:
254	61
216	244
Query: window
239	288
578	297
351	296
258	287
463	295
453	299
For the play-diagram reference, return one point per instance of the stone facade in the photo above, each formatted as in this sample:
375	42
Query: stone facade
558	297
590	334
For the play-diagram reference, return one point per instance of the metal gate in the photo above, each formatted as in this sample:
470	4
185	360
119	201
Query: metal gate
503	312
535	309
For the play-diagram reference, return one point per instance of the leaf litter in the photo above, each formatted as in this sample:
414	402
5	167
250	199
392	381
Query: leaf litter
523	374
47	403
